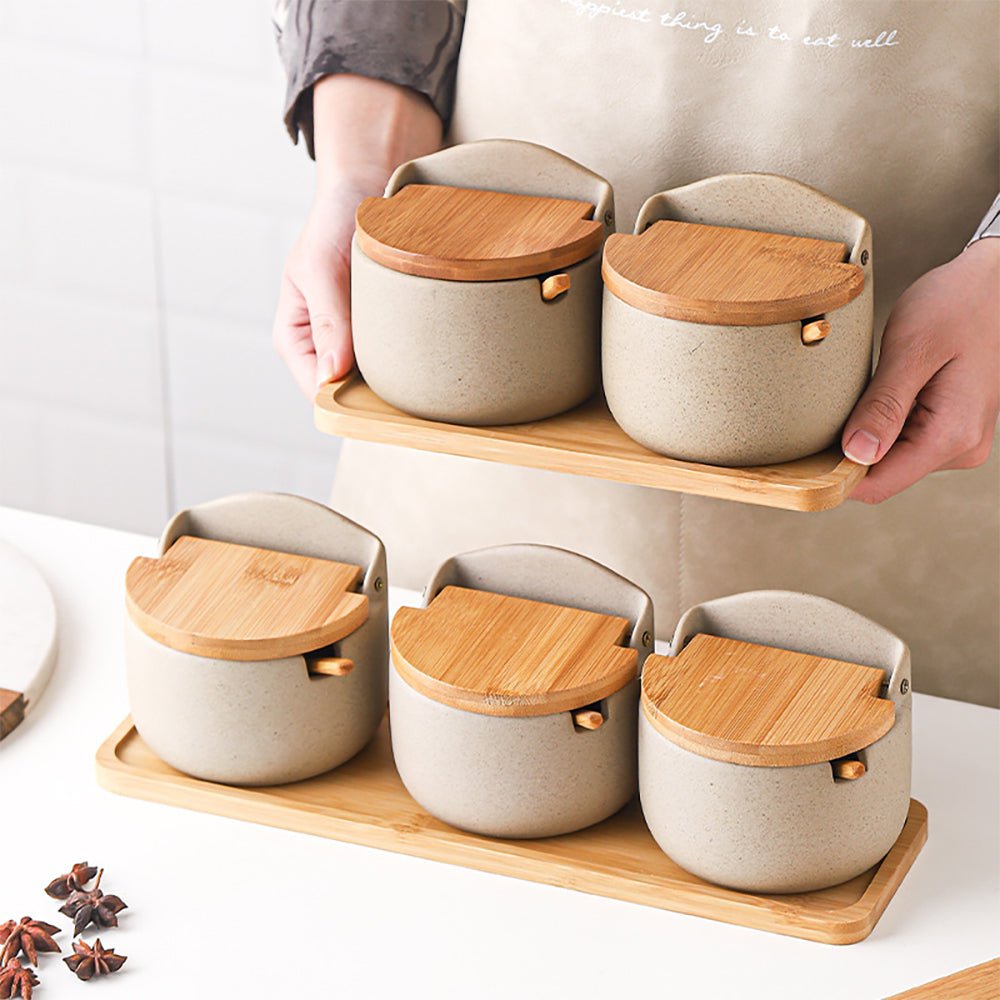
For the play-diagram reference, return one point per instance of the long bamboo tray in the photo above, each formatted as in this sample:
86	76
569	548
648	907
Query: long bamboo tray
587	442
364	802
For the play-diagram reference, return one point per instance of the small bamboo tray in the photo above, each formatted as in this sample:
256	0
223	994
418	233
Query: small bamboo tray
586	441
364	802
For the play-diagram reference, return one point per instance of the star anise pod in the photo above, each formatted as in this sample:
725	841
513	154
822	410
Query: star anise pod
15	979
73	881
91	960
28	936
92	907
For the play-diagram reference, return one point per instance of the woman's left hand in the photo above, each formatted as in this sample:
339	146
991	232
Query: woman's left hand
933	401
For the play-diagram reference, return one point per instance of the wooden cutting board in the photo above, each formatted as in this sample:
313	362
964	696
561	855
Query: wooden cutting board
462	234
237	602
28	637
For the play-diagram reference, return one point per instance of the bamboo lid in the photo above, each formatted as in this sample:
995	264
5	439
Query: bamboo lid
747	704
462	234
728	277
498	655
235	602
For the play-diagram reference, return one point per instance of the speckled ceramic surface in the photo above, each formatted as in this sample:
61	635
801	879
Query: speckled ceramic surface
533	776
741	395
782	829
265	721
483	352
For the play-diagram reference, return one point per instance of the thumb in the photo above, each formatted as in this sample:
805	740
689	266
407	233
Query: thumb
328	300
880	414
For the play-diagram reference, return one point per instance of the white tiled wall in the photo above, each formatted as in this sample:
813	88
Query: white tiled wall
148	195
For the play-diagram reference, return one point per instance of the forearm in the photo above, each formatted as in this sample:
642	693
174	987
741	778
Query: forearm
411	43
364	128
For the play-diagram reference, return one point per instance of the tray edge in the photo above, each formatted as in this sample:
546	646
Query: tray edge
824	492
851	925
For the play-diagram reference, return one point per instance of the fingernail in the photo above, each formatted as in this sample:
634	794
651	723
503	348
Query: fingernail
325	368
862	448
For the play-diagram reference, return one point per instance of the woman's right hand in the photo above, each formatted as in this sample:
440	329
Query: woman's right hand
362	129
312	326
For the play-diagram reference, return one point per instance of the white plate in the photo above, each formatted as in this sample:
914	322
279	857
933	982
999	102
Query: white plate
28	634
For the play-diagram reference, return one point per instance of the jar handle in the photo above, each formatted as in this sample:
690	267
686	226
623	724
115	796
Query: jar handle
767	202
514	167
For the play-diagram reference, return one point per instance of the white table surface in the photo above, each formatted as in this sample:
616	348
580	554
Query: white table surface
224	908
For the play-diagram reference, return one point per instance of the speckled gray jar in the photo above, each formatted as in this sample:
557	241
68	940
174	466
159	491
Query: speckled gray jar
483	352
524	777
782	829
741	395
265	722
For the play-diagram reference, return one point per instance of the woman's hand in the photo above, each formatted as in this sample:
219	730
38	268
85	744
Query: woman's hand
933	401
362	129
312	326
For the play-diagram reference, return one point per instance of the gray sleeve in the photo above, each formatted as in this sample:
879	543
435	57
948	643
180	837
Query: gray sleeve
990	226
413	43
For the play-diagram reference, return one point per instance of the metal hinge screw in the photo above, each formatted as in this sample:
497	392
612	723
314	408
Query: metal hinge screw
904	686
646	638
378	584
864	257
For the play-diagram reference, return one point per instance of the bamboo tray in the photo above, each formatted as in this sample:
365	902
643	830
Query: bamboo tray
586	441
364	802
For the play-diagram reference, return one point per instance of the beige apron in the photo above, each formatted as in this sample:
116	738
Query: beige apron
888	107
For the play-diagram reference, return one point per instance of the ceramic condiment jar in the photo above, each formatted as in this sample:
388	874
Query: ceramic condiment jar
738	321
476	286
256	644
513	691
774	746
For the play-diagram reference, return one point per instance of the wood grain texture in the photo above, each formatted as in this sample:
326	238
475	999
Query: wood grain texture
498	655
461	234
748	704
555	285
587	442
236	602
364	802
12	706
848	770
726	276
981	982
330	666
588	718
816	331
